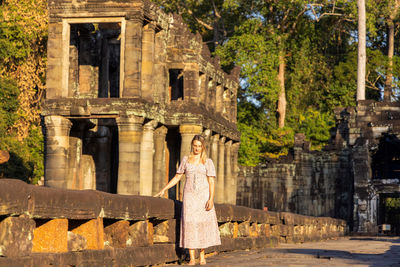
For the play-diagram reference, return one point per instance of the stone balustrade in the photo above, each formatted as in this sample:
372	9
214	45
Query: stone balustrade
42	226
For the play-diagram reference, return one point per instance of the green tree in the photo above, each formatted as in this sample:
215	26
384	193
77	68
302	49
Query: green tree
23	36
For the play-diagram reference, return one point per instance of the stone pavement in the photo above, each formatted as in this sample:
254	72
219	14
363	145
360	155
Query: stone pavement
348	251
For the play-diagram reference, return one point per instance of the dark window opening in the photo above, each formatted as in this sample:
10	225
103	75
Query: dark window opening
176	84
386	159
95	50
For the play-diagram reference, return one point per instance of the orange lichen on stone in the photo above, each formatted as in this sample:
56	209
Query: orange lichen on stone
267	230
93	231
235	230
254	230
51	236
116	234
150	232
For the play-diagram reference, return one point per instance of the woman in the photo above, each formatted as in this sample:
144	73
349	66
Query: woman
199	227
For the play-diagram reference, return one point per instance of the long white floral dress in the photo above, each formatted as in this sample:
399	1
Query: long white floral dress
199	228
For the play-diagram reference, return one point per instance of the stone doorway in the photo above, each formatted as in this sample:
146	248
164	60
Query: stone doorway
93	155
389	211
173	139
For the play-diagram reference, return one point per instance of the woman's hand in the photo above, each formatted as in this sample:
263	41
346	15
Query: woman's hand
160	194
209	204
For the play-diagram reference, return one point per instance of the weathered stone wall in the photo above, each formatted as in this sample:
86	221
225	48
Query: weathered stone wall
305	182
42	226
371	131
350	179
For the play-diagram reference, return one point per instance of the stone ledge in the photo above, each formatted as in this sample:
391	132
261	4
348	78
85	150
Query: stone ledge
140	256
19	198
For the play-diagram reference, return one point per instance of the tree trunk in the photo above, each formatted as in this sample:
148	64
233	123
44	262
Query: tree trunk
362	55
281	109
389	73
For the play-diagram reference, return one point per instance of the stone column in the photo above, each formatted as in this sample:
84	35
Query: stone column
203	86
211	101
219	192
55	58
207	137
228	173
214	150
234	108
187	131
191	82
227	105
133	58
160	71
148	43
57	145
159	159
235	171
129	137
146	158
219	98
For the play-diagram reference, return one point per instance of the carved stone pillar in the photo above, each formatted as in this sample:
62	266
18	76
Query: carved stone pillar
214	150
133	58
191	81
235	171
220	172
146	159
56	60
219	98
148	43
159	171
129	136
187	131
160	71
203	88
207	137
228	173
57	145
212	95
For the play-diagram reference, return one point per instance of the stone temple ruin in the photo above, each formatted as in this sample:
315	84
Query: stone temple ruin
352	178
128	87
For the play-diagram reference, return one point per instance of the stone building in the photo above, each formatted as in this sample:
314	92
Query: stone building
128	87
372	131
354	178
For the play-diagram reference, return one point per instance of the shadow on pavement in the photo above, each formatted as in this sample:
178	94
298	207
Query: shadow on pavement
391	258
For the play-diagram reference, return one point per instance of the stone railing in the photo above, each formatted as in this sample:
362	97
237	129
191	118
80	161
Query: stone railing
42	226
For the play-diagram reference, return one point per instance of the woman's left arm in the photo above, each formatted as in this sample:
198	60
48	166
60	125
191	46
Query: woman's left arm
210	202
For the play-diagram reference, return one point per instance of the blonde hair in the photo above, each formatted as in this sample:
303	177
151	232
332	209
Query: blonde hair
203	155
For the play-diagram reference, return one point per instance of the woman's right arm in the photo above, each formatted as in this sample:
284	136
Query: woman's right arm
170	184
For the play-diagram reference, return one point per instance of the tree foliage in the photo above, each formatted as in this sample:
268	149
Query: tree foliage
23	37
317	41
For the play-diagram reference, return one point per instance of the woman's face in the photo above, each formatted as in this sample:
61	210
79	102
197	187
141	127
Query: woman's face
197	147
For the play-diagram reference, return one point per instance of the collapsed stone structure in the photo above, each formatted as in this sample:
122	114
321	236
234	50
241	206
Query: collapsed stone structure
128	87
352	178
